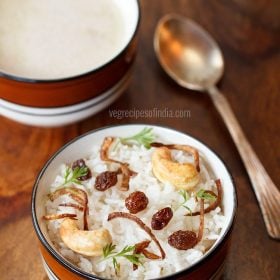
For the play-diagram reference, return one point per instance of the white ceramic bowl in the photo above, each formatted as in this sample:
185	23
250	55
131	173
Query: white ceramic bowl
81	147
58	116
52	101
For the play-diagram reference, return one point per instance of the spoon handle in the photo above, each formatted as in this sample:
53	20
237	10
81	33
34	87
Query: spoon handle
266	192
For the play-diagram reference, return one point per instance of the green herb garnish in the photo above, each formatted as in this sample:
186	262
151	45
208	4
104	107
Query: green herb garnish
116	265
108	250
72	176
126	252
144	137
203	194
188	208
185	197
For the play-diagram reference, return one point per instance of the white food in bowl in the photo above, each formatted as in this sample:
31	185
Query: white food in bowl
160	195
57	39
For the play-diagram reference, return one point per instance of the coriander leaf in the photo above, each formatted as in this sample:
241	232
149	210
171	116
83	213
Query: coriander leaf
188	208
145	137
126	249
108	252
72	176
116	265
185	197
135	259
67	173
203	194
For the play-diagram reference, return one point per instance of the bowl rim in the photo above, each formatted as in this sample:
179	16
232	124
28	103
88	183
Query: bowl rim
16	78
86	275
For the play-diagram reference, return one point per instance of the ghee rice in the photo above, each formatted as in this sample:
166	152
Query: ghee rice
125	232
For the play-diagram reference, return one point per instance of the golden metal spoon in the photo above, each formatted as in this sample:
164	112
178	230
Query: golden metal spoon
193	59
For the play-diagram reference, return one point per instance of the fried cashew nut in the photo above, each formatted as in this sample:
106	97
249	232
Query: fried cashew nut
87	243
181	175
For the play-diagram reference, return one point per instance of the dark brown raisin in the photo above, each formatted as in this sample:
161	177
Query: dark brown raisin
81	163
106	180
182	239
161	218
136	202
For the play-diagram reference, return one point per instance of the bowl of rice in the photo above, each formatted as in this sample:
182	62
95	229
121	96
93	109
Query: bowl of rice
134	202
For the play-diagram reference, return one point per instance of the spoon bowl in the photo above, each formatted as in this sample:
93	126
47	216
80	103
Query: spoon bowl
188	53
192	58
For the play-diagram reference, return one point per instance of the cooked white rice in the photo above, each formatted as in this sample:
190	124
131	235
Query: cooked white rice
125	232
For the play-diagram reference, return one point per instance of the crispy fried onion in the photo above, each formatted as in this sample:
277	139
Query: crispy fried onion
73	205
79	195
215	204
124	167
59	216
140	248
185	148
201	224
141	224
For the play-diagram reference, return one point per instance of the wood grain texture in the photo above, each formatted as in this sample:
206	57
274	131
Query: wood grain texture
23	152
266	192
248	33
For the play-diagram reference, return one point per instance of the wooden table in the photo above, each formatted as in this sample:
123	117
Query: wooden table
248	33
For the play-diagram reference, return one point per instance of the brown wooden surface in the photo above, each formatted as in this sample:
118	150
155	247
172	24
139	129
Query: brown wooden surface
248	33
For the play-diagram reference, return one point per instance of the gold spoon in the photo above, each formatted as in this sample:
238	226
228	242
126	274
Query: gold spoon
192	58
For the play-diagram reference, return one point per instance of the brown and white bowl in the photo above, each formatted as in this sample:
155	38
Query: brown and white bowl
25	98
57	267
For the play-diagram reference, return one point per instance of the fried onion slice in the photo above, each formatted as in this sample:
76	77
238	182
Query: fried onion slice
201	224
72	205
51	217
124	167
141	224
76	194
215	204
150	255
140	248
